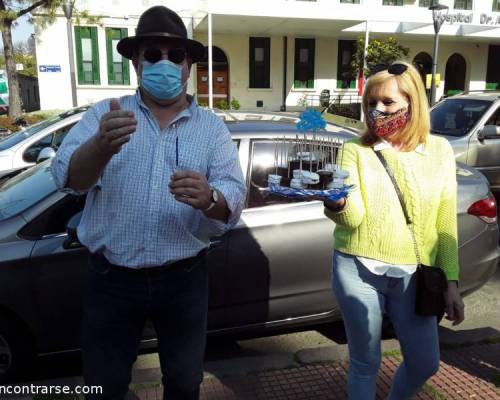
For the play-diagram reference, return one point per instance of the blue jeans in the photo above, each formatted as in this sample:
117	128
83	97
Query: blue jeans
117	304
364	298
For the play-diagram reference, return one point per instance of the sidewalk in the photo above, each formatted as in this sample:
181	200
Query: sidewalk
466	372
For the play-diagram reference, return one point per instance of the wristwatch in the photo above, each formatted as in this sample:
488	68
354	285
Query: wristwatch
214	198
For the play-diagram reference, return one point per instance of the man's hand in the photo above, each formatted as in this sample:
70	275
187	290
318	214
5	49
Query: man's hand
191	188
454	304
115	129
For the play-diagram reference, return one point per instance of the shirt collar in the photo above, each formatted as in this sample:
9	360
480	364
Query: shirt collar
187	112
384	144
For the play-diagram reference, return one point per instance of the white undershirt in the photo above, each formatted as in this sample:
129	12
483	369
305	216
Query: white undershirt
378	267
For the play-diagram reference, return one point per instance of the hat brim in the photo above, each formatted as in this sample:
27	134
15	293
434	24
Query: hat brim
128	45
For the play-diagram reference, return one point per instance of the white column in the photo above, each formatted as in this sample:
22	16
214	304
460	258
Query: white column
210	75
367	36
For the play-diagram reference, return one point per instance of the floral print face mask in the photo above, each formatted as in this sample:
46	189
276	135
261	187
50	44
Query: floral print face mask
385	124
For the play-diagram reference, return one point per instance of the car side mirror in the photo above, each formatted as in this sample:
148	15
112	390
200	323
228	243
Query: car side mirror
72	242
46	153
489	132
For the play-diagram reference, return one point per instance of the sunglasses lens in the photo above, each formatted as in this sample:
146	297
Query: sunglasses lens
152	55
177	55
397	69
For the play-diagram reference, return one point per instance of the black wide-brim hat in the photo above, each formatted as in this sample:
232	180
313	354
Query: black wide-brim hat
161	23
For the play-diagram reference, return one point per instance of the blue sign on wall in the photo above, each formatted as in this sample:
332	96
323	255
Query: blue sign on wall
49	68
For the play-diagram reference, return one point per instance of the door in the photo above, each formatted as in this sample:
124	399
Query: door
279	255
60	275
220	87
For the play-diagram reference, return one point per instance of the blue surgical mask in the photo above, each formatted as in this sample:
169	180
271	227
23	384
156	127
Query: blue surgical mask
162	80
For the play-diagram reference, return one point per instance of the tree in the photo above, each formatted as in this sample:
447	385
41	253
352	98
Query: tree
11	11
378	52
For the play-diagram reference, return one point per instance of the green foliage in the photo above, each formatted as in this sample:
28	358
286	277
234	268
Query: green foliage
235	104
8	123
222	105
378	52
28	61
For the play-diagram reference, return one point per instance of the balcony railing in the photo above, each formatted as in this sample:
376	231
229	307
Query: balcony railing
463	5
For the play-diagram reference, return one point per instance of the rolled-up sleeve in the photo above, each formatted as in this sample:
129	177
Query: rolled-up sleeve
78	135
225	175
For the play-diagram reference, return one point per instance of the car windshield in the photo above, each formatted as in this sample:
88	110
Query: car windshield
26	189
456	117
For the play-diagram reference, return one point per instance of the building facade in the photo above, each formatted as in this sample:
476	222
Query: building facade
273	54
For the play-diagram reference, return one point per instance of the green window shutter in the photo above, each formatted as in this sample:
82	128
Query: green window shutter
109	51
95	56
78	48
126	62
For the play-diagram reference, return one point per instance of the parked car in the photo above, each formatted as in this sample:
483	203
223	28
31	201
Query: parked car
20	150
471	122
271	271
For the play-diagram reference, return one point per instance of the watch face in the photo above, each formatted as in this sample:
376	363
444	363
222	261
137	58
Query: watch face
215	196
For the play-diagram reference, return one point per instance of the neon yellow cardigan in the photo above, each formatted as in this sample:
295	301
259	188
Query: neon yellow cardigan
372	223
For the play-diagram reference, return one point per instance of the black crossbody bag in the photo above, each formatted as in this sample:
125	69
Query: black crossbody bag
431	281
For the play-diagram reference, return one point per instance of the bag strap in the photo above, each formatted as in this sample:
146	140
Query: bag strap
401	201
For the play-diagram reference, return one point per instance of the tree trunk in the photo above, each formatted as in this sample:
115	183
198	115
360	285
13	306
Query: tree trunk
10	67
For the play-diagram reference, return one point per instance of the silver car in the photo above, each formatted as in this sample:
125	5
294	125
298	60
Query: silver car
471	122
271	271
20	150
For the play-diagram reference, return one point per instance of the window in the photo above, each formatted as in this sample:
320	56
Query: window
463	5
350	1
263	164
495	118
304	63
496	5
260	63
455	117
53	140
424	3
282	158
87	55
392	2
346	79
118	66
493	68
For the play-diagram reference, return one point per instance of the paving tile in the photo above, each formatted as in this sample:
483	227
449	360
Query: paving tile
465	373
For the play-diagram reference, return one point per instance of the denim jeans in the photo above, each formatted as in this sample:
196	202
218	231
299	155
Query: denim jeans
117	304
364	298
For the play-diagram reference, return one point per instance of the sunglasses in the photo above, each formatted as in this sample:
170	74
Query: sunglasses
394	69
176	55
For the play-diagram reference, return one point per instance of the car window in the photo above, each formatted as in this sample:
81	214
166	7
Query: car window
26	189
32	152
18	137
495	118
54	219
60	134
281	158
456	117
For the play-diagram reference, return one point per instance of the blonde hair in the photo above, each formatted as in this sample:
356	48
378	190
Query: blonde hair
410	84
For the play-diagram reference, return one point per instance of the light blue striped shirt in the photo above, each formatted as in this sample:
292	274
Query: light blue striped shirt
130	215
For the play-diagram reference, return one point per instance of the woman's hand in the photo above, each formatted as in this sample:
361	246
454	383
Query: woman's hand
335	204
454	304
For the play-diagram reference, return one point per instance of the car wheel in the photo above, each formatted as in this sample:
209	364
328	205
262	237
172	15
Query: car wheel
17	350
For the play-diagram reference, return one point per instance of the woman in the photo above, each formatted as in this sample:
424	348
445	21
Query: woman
375	257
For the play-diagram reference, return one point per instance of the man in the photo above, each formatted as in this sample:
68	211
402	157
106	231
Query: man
162	176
